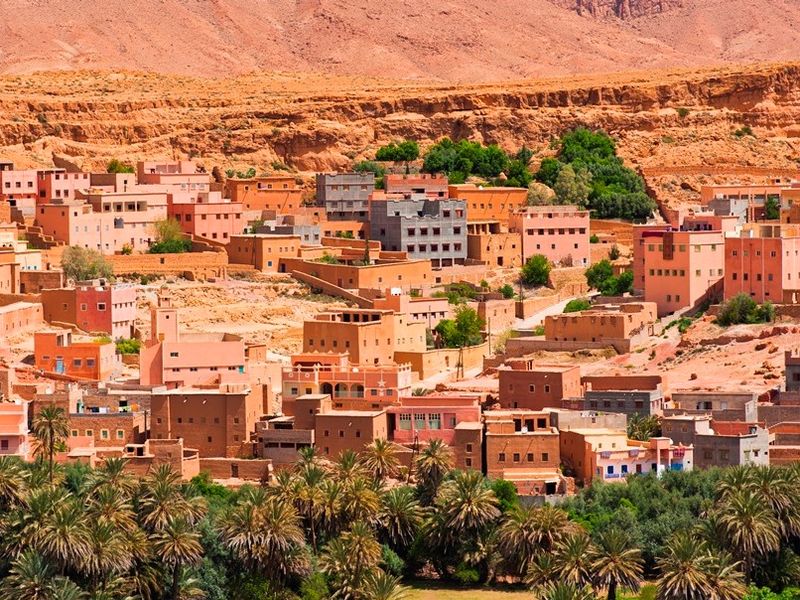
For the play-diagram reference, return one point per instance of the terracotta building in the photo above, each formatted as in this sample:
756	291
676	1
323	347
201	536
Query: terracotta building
351	386
211	216
433	186
263	251
56	352
340	430
19	317
561	233
93	306
404	275
602	323
177	359
680	268
526	385
489	203
216	421
14	429
57	184
275	193
489	243
522	447
763	262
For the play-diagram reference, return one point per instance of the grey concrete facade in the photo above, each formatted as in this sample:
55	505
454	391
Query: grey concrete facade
345	196
424	228
628	402
732	450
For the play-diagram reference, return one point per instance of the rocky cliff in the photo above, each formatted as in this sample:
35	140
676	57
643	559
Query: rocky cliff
622	9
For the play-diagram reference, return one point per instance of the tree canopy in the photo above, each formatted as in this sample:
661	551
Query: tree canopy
463	330
169	238
82	264
587	171
536	270
462	159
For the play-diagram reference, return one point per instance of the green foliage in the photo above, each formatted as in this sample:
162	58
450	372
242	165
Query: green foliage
462	159
116	166
127	249
405	151
248	174
169	238
466	575
577	305
507	290
643	427
391	561
348	235
682	111
756	593
599	273
772	208
315	587
506	494
81	264
171	247
371	166
457	293
128	346
464	330
538	330
536	271
614	253
328	259
600	276
744	131
539	194
593	239
743	309
588	172
484	285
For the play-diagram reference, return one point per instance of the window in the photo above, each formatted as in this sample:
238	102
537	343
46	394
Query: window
529	457
545	457
469	448
624	469
467	462
419	421
435	421
89	433
610	469
516	457
341	433
501	457
120	434
101	306
104	434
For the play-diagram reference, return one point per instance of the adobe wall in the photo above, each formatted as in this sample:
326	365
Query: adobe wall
33	282
530	306
432	362
784	455
252	469
192	265
626	382
527	345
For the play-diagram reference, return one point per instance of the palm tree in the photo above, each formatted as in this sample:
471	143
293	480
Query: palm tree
64	537
330	510
467	503
359	501
162	501
350	558
177	545
12	482
734	479
750	526
309	497
50	430
572	559
379	585
109	555
348	467
616	562
65	589
113	474
542	570
726	580
566	591
381	460
400	517
528	530
684	569
432	464
779	488
30	578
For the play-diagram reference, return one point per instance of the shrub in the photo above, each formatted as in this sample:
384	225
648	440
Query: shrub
743	309
398	152
348	235
127	249
538	330
466	575
116	166
682	111
169	238
391	562
170	247
744	131
598	273
536	271
464	330
772	208
128	346
614	253
315	587
484	285
465	158
328	259
506	493
577	305
81	264
593	239
507	290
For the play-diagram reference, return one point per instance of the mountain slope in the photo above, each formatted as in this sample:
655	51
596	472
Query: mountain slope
448	40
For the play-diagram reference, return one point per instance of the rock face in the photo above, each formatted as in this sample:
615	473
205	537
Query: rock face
622	9
442	40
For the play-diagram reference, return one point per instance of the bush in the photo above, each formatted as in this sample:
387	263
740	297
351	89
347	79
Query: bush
772	208
464	330
614	253
462	159
466	575
328	259
348	235
598	273
743	309
81	264
682	111
128	346
507	291
506	493
391	562
593	239
743	132
617	286
398	152
577	305
170	247
127	249
116	166
315	587
169	238
536	271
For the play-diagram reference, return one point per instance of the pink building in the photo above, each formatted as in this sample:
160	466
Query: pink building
426	418
211	217
680	267
57	184
93	306
107	221
764	263
350	386
177	359
561	233
19	188
14	429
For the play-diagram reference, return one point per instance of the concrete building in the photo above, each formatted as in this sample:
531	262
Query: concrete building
434	417
680	268
345	196
56	352
722	405
733	445
568	419
216	421
421	227
522	447
560	233
610	456
607	323
351	386
176	359
764	263
93	306
625	394
211	216
524	384
14	429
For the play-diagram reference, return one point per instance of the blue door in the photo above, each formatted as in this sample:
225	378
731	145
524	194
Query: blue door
59	365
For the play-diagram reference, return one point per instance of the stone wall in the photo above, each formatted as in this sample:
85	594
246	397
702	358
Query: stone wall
255	469
192	265
433	362
522	346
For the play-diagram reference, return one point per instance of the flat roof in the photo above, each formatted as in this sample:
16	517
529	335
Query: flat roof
352	413
16	306
469	425
598	431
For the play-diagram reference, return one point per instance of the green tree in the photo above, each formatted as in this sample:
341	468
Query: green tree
464	330
117	166
507	291
81	264
381	460
743	309
536	271
772	208
50	429
616	562
577	305
169	238
539	194
573	187
599	273
434	461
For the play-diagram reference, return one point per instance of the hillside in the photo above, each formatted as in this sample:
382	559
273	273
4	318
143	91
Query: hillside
447	40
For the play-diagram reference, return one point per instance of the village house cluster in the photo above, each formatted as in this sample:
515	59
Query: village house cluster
213	402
